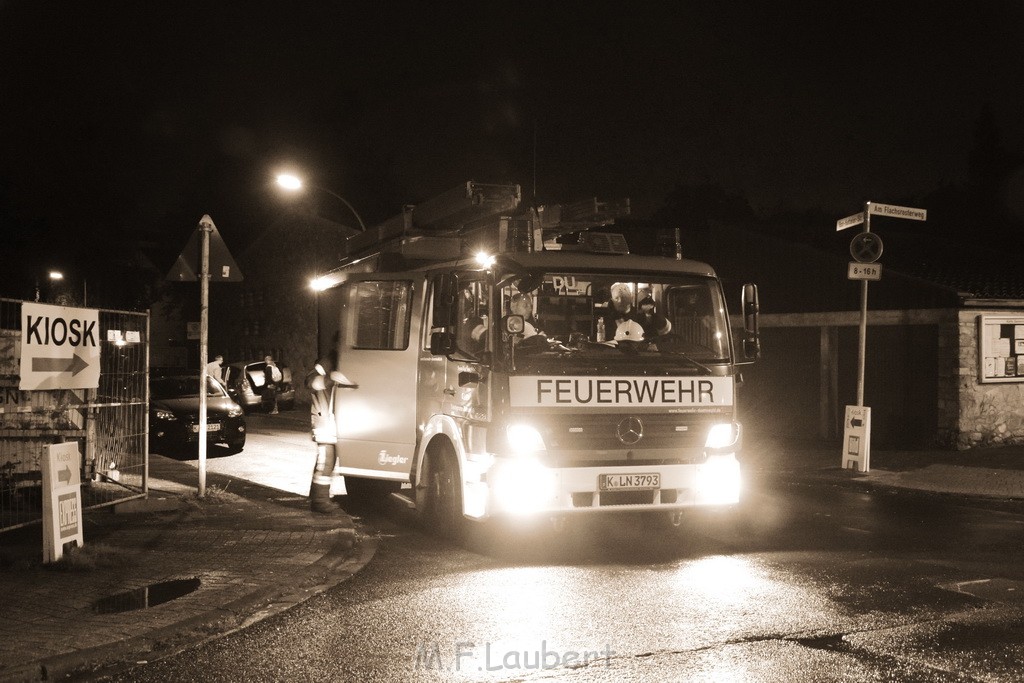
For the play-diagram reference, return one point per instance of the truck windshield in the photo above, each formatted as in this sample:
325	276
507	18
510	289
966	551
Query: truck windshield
578	321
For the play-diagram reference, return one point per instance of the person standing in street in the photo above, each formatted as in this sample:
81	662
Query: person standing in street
271	377
215	368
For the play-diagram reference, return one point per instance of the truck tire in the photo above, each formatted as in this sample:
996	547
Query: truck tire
442	509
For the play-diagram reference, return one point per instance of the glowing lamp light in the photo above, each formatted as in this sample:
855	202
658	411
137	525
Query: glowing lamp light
719	481
289	181
722	435
484	259
524	439
319	284
522	486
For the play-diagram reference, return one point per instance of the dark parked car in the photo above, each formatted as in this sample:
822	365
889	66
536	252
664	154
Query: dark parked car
174	415
245	384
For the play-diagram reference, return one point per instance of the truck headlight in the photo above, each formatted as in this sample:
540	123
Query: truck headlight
722	435
521	485
161	414
719	481
524	439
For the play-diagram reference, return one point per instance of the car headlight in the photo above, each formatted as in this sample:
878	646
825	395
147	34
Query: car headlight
162	414
523	439
235	411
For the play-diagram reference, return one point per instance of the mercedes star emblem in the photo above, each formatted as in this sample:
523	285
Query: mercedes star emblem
629	430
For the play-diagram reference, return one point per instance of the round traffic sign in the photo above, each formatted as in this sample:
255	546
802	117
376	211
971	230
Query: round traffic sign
866	247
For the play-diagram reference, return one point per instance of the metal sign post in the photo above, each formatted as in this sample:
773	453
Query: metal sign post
862	338
205	246
205	227
865	248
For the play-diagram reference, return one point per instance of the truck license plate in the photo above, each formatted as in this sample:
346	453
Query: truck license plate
209	427
629	482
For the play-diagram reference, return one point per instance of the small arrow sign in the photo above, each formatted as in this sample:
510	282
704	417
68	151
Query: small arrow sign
74	365
64	475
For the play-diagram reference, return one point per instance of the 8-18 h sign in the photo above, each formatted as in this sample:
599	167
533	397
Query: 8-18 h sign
60	347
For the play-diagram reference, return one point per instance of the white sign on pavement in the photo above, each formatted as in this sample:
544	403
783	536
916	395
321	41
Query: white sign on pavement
898	211
857	438
60	347
62	499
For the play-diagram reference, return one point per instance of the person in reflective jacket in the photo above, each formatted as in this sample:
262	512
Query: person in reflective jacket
321	381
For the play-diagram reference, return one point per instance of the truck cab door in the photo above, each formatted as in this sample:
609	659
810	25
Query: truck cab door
460	318
378	351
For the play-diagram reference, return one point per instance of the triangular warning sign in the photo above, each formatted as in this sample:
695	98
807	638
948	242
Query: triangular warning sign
222	265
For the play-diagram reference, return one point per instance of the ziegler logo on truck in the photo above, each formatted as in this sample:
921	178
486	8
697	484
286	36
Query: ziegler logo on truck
616	392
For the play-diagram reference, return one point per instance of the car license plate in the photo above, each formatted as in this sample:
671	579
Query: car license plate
210	427
647	481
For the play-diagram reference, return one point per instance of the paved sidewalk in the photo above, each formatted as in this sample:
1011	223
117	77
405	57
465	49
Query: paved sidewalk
989	473
240	554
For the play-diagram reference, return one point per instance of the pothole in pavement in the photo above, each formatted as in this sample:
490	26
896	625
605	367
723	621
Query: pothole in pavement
835	642
148	596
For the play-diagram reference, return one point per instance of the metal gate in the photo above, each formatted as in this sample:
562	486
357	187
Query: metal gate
109	423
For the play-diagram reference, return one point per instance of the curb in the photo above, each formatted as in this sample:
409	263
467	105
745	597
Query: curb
894	481
349	555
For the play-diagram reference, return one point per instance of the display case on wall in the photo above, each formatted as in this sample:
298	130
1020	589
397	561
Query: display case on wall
1001	348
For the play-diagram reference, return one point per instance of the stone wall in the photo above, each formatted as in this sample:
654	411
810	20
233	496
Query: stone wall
990	414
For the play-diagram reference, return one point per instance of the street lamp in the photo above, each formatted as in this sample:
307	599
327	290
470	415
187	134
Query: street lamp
58	276
293	183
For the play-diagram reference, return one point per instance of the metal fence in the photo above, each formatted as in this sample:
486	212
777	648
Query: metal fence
110	423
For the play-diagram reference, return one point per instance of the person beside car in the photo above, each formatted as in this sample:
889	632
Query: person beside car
271	378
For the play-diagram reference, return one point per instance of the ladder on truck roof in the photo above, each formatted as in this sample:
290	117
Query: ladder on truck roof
479	215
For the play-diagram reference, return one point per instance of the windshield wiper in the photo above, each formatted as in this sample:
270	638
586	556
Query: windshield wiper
691	361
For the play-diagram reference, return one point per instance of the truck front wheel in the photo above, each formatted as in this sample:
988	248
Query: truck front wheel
442	502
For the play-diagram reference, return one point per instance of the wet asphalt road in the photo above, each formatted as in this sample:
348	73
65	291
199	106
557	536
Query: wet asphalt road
802	583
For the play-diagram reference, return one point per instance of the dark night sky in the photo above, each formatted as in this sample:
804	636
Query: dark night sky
127	119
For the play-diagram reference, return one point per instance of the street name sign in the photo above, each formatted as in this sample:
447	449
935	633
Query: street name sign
849	221
864	271
898	211
60	347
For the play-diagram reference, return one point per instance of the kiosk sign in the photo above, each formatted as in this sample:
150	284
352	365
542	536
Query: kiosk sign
62	499
59	347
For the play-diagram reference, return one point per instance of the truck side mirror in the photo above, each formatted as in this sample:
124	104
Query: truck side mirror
514	324
751	311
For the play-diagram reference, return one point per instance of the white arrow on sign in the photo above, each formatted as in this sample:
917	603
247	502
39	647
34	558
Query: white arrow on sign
897	211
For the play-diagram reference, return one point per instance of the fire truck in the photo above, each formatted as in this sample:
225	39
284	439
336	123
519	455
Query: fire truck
490	374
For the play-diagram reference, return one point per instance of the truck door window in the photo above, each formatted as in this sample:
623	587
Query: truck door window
473	317
381	315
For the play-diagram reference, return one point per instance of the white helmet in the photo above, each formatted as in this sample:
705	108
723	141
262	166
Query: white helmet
630	330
